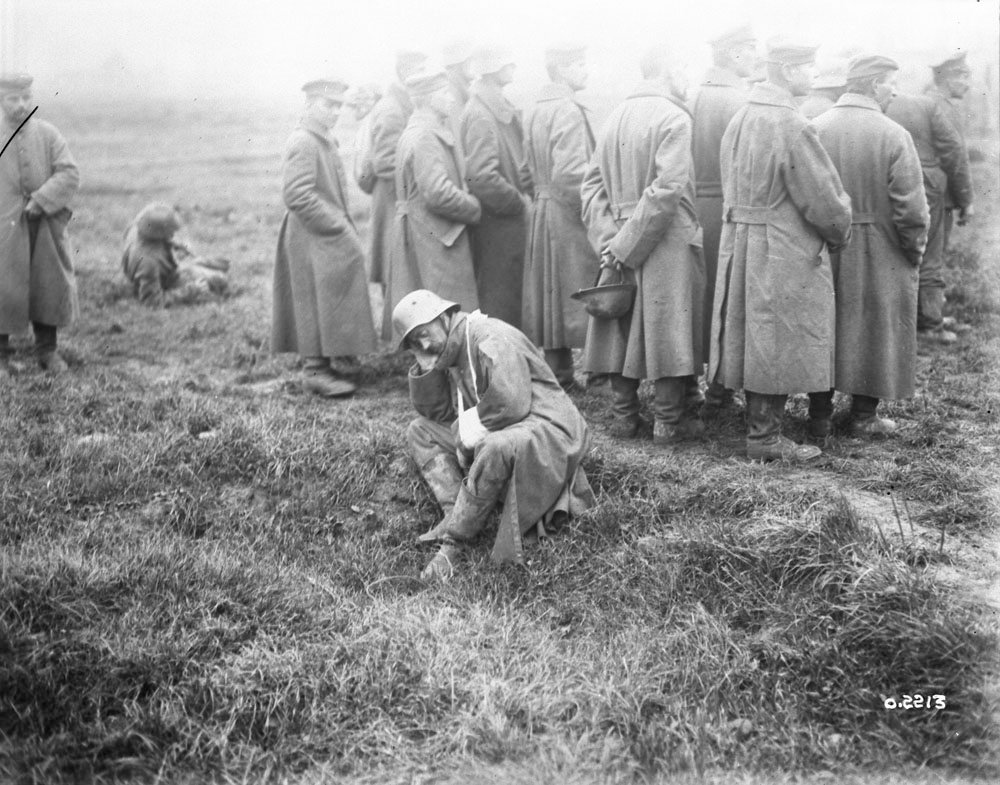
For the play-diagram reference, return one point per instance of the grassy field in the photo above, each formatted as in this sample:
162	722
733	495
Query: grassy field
205	575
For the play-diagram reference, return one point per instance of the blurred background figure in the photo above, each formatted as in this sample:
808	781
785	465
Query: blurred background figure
721	94
457	59
362	101
388	119
38	179
493	141
321	305
828	85
150	262
558	144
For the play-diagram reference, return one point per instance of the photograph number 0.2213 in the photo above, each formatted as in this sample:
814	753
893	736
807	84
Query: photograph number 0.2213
916	702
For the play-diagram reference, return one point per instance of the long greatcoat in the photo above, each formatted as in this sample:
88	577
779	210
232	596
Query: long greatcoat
721	95
388	119
493	142
875	275
558	146
430	248
773	315
321	306
528	416
41	287
638	202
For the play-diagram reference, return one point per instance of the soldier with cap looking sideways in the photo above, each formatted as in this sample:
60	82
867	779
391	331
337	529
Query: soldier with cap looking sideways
321	306
773	316
560	261
875	274
638	203
493	141
494	428
828	85
721	94
388	119
430	245
39	179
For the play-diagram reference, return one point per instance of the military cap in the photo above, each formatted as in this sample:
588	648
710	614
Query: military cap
456	52
327	87
15	81
830	73
781	50
564	53
870	65
409	60
489	60
953	62
734	37
426	82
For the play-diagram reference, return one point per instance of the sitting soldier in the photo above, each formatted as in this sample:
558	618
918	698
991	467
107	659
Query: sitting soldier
149	261
495	428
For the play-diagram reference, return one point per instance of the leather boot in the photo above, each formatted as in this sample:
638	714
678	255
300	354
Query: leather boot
820	414
672	422
319	379
625	406
561	363
764	439
466	519
45	349
444	478
5	355
865	420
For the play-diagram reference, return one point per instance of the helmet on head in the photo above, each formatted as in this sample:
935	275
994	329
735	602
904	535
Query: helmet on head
418	307
158	221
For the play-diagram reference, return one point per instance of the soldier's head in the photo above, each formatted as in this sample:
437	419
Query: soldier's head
409	62
736	50
567	64
422	321
494	64
660	64
324	100
791	65
457	59
430	89
873	76
15	97
952	75
831	76
364	99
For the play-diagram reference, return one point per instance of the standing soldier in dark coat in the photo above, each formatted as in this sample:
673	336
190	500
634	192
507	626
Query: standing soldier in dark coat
559	143
721	95
494	428
827	87
773	323
945	161
321	306
388	119
875	275
493	141
38	178
638	203
430	246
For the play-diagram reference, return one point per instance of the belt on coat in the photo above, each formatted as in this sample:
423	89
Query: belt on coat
863	218
740	214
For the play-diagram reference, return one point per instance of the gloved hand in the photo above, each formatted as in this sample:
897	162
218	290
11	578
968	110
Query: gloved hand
471	431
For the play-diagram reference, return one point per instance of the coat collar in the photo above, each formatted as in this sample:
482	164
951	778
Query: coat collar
317	130
454	343
652	88
427	118
494	100
772	95
723	77
860	101
399	94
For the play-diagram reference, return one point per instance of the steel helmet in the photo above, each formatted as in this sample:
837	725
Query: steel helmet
418	307
157	221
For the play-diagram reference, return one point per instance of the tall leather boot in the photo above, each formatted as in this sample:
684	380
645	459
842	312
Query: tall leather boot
444	478
865	420
466	518
561	363
624	406
45	348
764	439
319	379
820	414
672	421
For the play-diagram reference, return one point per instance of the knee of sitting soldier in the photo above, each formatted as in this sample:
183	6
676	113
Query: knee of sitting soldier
502	447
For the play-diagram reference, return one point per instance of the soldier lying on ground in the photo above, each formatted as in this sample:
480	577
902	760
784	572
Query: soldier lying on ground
495	428
150	262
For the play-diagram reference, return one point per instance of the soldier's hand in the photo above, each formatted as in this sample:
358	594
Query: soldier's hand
966	214
33	210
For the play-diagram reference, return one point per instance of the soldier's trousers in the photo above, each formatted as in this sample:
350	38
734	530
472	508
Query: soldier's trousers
930	300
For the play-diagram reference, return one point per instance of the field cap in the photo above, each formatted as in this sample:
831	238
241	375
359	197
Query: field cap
786	52
953	62
734	37
870	65
457	52
831	73
426	82
326	87
15	82
490	59
564	53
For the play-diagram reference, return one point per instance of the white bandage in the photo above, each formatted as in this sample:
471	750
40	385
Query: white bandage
470	430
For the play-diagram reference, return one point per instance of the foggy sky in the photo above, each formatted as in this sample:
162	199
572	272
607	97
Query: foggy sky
258	48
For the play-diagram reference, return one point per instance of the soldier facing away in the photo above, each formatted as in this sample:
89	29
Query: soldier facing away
321	306
558	145
638	203
773	315
39	179
827	87
494	428
875	274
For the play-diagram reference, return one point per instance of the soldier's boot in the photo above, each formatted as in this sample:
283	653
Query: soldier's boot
443	475
319	379
624	406
346	366
465	520
561	363
764	439
672	420
930	319
718	397
865	420
45	349
820	414
5	355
